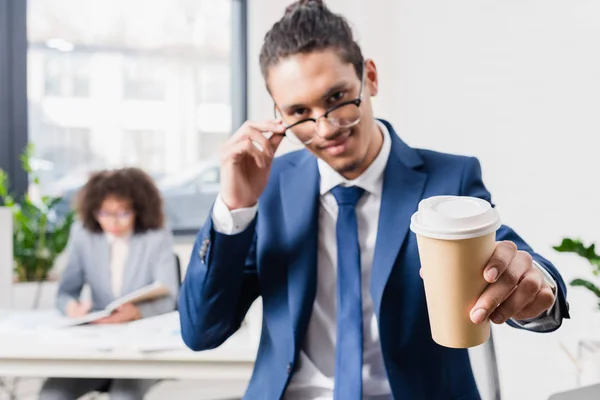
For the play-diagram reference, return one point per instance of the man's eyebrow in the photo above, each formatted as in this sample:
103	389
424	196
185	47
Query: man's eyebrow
335	88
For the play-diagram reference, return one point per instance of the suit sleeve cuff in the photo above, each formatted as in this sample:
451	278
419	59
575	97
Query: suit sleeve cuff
229	222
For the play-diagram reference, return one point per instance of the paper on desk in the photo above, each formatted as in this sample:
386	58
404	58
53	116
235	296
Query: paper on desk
95	337
159	333
31	320
41	327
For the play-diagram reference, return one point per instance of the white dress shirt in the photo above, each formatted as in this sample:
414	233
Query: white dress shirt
315	371
119	250
314	376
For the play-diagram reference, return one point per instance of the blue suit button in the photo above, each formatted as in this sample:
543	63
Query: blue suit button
289	368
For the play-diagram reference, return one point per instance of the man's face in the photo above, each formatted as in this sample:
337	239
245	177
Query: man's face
307	85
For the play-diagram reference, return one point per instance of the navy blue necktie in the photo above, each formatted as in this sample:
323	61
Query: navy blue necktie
349	345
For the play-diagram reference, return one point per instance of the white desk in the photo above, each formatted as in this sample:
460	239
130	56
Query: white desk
42	354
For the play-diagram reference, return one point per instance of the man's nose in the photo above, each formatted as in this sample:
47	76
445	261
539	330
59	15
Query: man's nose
111	222
325	129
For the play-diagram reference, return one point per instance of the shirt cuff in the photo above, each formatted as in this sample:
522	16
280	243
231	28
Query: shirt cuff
229	222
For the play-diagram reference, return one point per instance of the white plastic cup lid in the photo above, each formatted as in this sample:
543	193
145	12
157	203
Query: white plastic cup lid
454	218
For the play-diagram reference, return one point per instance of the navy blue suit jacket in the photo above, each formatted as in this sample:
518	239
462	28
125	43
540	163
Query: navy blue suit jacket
276	258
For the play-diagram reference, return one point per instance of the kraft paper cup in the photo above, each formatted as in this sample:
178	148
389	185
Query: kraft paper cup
456	237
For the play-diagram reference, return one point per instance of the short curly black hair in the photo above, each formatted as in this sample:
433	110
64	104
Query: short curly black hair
308	26
129	184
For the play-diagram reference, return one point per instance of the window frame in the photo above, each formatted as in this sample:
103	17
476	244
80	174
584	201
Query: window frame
14	131
13	90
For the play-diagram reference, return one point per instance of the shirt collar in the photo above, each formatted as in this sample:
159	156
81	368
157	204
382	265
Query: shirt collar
371	180
112	238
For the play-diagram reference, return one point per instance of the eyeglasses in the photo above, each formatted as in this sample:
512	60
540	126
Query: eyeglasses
342	116
120	218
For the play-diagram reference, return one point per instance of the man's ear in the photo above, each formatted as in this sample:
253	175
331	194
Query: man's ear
371	77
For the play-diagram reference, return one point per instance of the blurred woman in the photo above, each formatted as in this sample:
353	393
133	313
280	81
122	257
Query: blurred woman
119	245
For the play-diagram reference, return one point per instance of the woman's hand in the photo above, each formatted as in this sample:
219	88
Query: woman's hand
126	313
76	309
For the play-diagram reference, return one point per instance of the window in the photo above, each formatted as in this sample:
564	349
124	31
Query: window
64	147
211	80
145	79
144	149
136	83
66	75
62	152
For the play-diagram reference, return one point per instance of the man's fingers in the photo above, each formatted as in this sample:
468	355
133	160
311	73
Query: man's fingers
258	140
275	126
276	140
500	260
542	302
263	144
496	293
247	148
261	159
523	295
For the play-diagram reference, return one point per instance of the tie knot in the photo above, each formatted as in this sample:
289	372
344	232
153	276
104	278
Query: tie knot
347	196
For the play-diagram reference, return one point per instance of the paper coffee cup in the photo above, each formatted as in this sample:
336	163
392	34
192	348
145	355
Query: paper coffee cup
456	237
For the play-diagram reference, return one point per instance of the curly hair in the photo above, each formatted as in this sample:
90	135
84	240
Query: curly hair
129	184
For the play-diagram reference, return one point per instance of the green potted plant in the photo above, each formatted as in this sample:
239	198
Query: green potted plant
37	239
589	253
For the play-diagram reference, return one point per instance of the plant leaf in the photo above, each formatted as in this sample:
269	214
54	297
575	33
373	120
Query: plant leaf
576	246
586	284
26	156
4	183
37	240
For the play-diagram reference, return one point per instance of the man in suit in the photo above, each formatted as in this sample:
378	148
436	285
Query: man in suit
334	325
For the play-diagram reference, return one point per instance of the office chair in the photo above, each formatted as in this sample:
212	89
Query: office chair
179	274
485	368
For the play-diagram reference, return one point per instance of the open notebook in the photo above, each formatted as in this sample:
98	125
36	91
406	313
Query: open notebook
146	293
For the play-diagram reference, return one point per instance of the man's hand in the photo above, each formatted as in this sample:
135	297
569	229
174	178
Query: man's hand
246	162
126	313
517	288
76	309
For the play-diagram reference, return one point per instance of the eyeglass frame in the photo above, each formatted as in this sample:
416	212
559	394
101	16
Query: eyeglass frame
357	102
119	218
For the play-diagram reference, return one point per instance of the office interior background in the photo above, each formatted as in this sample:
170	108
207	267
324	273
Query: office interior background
162	84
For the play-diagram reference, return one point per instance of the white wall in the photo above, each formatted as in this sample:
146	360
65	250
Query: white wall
515	83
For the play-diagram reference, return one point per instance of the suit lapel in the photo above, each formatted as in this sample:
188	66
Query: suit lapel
300	201
403	186
402	190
